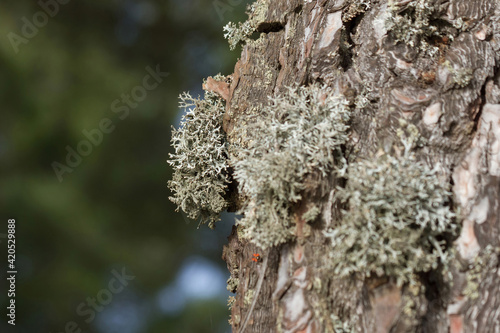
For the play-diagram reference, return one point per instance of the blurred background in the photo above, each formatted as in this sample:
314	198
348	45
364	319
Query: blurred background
86	114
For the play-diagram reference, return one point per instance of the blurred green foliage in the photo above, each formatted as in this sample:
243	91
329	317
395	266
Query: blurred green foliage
112	210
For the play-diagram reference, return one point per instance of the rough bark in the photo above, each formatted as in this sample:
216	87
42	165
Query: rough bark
346	46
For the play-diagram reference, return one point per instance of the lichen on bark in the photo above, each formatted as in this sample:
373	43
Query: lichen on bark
200	165
397	219
299	133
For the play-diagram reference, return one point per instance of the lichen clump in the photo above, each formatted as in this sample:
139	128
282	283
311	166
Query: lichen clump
411	24
461	76
396	220
485	261
238	33
200	163
354	9
299	133
340	326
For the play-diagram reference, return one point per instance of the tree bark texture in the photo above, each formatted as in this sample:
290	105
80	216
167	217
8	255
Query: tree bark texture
346	45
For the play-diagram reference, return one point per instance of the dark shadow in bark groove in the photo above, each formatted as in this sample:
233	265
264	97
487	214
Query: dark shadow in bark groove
267	27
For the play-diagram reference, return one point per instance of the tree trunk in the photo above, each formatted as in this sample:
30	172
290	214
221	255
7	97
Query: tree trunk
443	77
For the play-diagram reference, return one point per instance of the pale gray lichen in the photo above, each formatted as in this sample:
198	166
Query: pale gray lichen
238	33
461	76
311	214
355	9
298	133
340	326
365	95
461	24
396	220
411	302
485	261
232	284
200	164
410	23
249	295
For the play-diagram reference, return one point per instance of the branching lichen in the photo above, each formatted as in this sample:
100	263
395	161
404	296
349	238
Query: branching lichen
411	24
230	302
461	76
311	214
238	33
249	295
486	260
299	133
200	160
354	9
397	218
339	326
411	302
232	284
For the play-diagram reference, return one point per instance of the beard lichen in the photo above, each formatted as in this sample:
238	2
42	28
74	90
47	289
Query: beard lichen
200	165
397	220
299	133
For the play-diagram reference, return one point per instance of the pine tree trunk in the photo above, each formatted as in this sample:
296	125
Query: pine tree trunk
447	85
